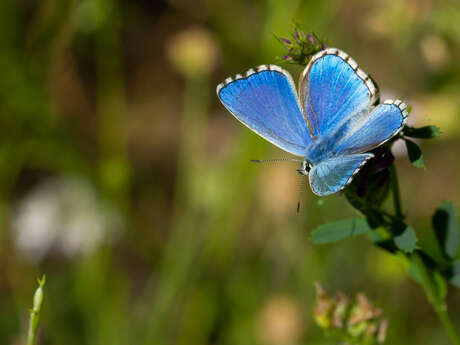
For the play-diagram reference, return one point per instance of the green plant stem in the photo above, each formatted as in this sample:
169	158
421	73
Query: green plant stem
35	312
436	301
427	282
396	194
32	329
447	323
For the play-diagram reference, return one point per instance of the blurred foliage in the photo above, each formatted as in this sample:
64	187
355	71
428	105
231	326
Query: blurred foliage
211	250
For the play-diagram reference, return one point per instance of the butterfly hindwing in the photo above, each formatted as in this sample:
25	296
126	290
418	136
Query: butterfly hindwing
385	121
266	101
333	88
333	174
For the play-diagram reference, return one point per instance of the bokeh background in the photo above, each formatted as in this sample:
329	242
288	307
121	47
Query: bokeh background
127	183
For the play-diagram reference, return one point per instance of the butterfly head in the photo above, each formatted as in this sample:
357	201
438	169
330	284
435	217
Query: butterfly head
305	168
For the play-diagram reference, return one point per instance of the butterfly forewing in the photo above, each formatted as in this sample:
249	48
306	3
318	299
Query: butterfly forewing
266	101
332	88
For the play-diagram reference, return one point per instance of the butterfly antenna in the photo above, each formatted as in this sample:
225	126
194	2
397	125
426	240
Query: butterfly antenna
276	160
301	188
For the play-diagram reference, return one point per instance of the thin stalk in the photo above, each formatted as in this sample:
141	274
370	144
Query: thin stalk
396	194
35	312
180	255
436	301
114	169
447	323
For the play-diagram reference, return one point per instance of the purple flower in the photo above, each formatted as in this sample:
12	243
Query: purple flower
301	46
297	35
312	39
285	41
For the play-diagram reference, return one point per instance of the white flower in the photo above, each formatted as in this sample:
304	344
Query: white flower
64	214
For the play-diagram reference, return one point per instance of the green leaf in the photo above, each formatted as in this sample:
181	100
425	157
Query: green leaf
337	231
427	132
440	284
455	278
415	154
445	225
407	240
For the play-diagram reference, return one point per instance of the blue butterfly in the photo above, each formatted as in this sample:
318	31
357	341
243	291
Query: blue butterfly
331	122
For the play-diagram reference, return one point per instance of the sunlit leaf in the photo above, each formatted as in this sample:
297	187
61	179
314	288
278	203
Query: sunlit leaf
407	240
337	231
445	224
415	154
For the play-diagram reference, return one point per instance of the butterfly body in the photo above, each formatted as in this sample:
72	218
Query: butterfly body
331	122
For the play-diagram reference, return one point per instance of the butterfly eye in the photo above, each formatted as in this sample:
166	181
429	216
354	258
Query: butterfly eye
305	168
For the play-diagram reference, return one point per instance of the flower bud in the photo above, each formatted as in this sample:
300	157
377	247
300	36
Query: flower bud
340	310
382	331
38	296
285	41
301	47
322	311
355	323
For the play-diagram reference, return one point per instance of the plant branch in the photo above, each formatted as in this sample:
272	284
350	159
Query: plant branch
436	301
396	195
447	323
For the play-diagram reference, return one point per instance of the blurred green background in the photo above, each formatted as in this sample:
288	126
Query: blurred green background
127	183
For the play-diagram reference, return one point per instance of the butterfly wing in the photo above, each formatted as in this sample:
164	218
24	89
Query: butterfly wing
384	122
332	88
266	101
332	175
